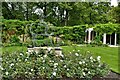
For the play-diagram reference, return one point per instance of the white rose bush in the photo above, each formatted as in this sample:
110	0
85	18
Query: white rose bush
22	65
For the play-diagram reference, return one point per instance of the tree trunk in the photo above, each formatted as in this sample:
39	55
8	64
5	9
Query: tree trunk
66	17
27	12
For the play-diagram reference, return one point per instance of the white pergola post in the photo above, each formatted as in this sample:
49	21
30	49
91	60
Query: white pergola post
86	36
104	38
89	36
115	39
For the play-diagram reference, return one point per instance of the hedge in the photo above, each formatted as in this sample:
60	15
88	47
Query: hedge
73	33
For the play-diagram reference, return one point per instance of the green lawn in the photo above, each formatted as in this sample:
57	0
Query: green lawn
108	55
14	48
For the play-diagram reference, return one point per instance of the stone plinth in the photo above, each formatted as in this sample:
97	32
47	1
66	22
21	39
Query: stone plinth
58	50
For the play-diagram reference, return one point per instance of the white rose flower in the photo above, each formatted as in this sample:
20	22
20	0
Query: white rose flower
41	57
76	54
61	60
6	73
80	62
83	73
85	68
43	67
91	60
98	58
54	73
82	69
94	60
89	72
27	52
31	69
67	69
61	55
55	64
45	56
30	73
91	57
25	59
55	69
11	64
25	72
65	66
43	61
20	60
99	65
21	54
83	62
50	61
1	67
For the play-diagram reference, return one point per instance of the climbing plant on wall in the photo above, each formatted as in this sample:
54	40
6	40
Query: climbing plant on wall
108	28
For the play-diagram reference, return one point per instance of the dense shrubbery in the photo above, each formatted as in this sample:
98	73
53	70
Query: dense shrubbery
74	34
50	42
14	39
48	65
95	44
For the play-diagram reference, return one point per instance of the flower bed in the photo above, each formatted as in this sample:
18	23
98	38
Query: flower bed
20	65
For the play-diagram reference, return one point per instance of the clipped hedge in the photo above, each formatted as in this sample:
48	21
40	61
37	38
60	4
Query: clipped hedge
75	34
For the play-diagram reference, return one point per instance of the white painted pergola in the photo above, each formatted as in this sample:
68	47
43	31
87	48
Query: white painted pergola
104	39
89	30
89	34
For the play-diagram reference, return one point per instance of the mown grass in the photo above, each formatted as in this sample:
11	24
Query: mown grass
14	48
108	55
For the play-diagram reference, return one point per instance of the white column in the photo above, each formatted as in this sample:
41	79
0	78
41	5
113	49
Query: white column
89	36
104	38
115	39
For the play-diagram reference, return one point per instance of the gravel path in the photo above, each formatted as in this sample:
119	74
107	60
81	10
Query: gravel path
111	76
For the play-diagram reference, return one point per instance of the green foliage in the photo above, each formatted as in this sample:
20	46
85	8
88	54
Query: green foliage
62	14
44	42
50	42
14	39
114	15
74	34
108	28
32	65
96	44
